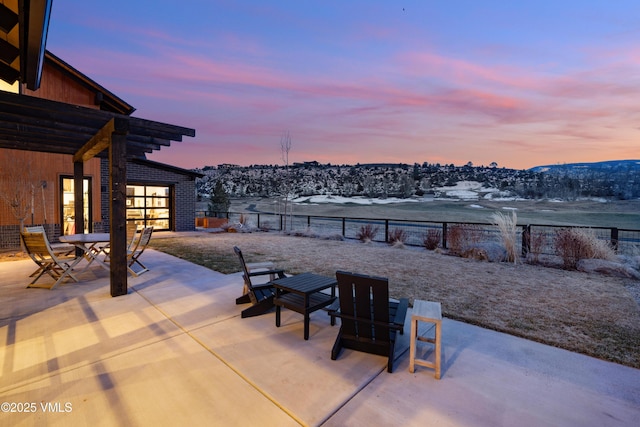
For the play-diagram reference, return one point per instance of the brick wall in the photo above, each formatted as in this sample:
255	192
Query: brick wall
10	234
183	203
183	187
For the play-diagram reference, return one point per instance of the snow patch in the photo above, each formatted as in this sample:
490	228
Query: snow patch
358	200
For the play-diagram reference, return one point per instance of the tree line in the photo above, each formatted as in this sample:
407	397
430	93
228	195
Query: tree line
402	180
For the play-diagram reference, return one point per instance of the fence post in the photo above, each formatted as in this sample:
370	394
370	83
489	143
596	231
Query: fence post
343	227
386	231
526	239
309	221
444	235
614	238
280	215
258	220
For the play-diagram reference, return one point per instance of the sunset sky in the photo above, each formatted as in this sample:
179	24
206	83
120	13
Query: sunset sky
520	83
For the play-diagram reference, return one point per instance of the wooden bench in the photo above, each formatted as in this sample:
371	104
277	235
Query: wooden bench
429	312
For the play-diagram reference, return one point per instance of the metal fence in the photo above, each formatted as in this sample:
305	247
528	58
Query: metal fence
538	238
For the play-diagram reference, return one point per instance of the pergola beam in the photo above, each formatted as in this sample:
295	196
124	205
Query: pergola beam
98	143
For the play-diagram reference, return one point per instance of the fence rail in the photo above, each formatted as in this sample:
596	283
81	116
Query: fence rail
531	237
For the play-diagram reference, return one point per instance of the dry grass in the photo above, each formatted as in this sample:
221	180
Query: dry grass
508	233
586	313
367	233
574	244
398	237
432	239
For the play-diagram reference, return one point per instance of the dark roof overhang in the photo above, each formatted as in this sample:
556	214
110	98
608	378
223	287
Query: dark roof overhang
34	27
170	168
24	25
35	124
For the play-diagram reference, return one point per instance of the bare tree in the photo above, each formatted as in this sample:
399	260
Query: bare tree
18	187
285	147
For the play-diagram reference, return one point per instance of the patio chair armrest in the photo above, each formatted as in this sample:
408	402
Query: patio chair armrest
333	307
265	264
262	285
401	314
279	272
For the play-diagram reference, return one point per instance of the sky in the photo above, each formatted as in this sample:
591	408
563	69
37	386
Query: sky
520	83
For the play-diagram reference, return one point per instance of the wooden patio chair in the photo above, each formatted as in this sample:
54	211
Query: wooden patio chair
138	244
132	235
369	320
58	248
259	295
55	265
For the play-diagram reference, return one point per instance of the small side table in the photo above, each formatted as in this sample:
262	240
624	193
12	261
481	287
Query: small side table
301	293
429	312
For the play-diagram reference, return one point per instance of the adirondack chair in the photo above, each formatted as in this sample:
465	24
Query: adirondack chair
369	320
55	265
259	295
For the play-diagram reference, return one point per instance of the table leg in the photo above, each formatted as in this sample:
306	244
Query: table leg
333	296
278	293
306	325
412	345
438	348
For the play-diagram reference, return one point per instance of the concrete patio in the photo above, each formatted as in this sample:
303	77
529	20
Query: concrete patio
174	351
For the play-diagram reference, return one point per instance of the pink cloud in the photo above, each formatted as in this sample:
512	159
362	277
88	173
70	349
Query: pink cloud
418	105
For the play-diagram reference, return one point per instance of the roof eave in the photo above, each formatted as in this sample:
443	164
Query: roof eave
34	27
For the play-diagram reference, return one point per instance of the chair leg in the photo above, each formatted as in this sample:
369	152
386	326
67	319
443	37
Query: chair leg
58	274
144	268
392	346
137	273
257	309
63	276
337	346
244	299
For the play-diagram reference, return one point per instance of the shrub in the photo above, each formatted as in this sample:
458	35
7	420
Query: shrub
574	244
508	233
397	237
537	242
432	239
461	236
367	233
266	226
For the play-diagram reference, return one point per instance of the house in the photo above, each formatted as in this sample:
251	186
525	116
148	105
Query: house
58	127
160	195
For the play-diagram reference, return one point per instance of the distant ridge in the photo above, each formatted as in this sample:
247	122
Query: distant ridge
613	165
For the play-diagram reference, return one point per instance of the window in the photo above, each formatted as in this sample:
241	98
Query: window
149	205
67	198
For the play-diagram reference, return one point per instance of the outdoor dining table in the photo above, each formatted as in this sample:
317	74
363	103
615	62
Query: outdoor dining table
302	293
90	244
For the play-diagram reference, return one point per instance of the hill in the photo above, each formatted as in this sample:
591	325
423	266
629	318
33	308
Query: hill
618	180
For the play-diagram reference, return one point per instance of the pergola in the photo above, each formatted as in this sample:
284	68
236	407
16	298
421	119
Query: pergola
34	124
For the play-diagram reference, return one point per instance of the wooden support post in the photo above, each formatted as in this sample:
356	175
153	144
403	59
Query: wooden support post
117	206
78	202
